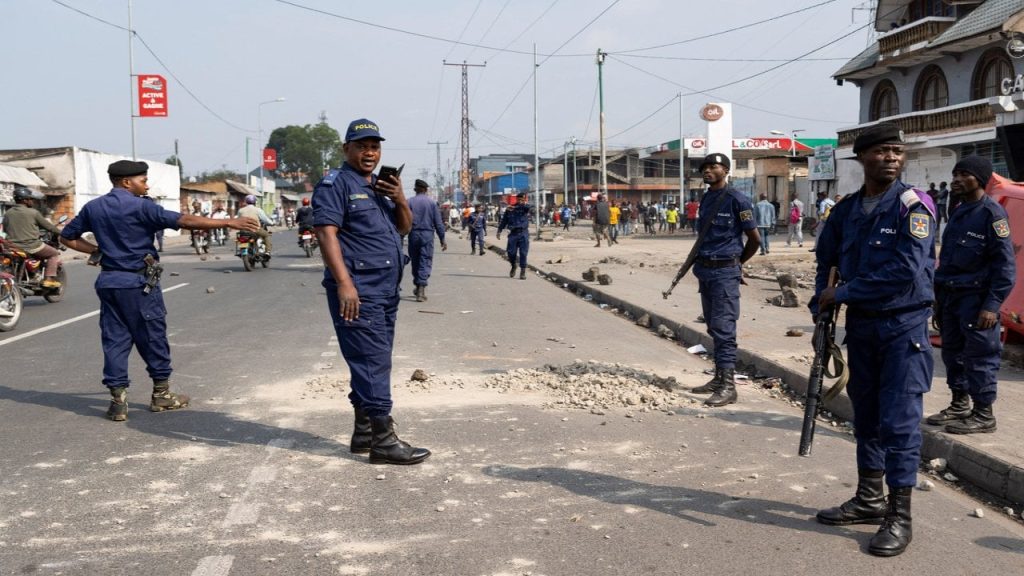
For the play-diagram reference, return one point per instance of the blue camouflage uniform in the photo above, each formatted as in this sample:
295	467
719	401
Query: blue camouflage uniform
477	230
426	221
717	268
517	220
123	225
976	272
371	250
886	262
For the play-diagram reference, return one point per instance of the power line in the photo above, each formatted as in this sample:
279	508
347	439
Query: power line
645	119
159	60
691	59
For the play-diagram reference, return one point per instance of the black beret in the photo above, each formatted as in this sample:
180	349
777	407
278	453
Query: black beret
884	133
126	168
521	195
976	166
716	159
421	184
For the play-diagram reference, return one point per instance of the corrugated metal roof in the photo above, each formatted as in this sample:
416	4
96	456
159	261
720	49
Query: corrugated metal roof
239	188
990	15
290	197
19	175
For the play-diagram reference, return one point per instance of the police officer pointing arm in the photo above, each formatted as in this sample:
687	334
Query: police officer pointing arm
123	223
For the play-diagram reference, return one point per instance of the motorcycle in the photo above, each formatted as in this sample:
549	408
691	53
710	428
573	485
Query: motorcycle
201	241
28	272
10	302
307	241
251	250
289	220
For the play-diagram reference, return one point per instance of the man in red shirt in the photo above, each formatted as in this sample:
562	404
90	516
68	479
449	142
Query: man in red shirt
691	213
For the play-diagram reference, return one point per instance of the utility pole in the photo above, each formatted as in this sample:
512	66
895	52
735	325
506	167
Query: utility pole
438	177
575	180
600	90
536	143
131	77
464	168
682	156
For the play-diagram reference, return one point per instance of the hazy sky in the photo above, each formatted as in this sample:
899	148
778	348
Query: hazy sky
66	75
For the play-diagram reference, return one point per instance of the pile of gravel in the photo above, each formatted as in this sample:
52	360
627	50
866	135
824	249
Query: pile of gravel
592	386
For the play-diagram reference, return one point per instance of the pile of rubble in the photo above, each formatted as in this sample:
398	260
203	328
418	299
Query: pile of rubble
593	386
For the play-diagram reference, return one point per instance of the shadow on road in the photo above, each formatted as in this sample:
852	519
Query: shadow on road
1002	544
678	501
189	425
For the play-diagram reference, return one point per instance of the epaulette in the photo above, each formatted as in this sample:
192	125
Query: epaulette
911	197
328	178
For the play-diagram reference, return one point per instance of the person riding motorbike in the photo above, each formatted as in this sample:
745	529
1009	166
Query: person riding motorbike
250	210
22	223
304	218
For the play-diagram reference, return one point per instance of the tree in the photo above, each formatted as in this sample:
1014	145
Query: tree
219	175
308	149
175	161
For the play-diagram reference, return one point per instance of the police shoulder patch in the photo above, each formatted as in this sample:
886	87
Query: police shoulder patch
1001	227
919	225
746	215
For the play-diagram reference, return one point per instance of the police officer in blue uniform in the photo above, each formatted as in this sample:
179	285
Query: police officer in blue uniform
882	240
359	221
517	221
123	223
722	253
426	221
976	273
477	230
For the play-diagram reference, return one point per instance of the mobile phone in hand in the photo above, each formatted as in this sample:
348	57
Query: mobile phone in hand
389	171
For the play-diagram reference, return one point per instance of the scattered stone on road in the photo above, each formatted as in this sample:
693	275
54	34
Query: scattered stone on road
591	274
788	299
419	375
604	279
794	332
925	485
978	513
787	281
666	332
210	290
644	321
937	464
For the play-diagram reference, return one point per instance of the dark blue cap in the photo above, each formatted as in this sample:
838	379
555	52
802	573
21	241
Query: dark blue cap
127	168
362	129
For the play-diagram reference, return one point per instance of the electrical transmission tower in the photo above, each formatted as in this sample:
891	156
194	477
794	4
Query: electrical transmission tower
464	180
438	177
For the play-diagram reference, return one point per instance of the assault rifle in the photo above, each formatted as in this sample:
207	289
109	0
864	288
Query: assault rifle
153	271
825	350
695	250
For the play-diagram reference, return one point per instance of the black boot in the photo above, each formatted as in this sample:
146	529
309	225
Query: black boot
387	448
866	507
726	393
895	534
362	433
118	410
522	274
981	420
423	294
711	385
512	272
958	409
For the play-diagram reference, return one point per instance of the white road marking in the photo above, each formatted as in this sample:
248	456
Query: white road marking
214	566
243	512
54	326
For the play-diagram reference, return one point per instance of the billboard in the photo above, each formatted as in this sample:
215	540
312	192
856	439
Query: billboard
152	95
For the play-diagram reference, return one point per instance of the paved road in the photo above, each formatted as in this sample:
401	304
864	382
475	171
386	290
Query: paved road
255	477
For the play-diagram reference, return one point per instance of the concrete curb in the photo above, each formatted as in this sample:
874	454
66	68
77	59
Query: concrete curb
968	463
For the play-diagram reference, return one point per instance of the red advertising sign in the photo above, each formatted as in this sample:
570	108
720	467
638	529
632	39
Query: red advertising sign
269	159
152	95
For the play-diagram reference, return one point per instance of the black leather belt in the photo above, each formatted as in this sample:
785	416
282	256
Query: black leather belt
713	263
140	271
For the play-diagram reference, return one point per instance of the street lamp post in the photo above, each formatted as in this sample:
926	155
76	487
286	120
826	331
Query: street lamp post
259	129
575	183
792	139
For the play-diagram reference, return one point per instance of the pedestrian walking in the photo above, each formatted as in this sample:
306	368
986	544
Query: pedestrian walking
941	207
517	221
691	208
602	220
614	213
426	221
672	217
764	213
132	311
976	273
796	221
718	270
881	239
359	220
477	230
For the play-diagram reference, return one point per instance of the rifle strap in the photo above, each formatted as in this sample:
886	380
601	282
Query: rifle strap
837	370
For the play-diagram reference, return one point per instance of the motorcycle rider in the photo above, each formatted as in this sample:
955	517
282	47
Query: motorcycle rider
251	210
219	234
304	218
22	223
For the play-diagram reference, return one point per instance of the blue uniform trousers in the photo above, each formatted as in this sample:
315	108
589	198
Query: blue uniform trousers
971	355
518	246
720	303
421	252
366	344
476	239
128	317
890	363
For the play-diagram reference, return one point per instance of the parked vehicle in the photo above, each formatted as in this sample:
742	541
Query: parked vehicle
29	272
10	302
251	250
